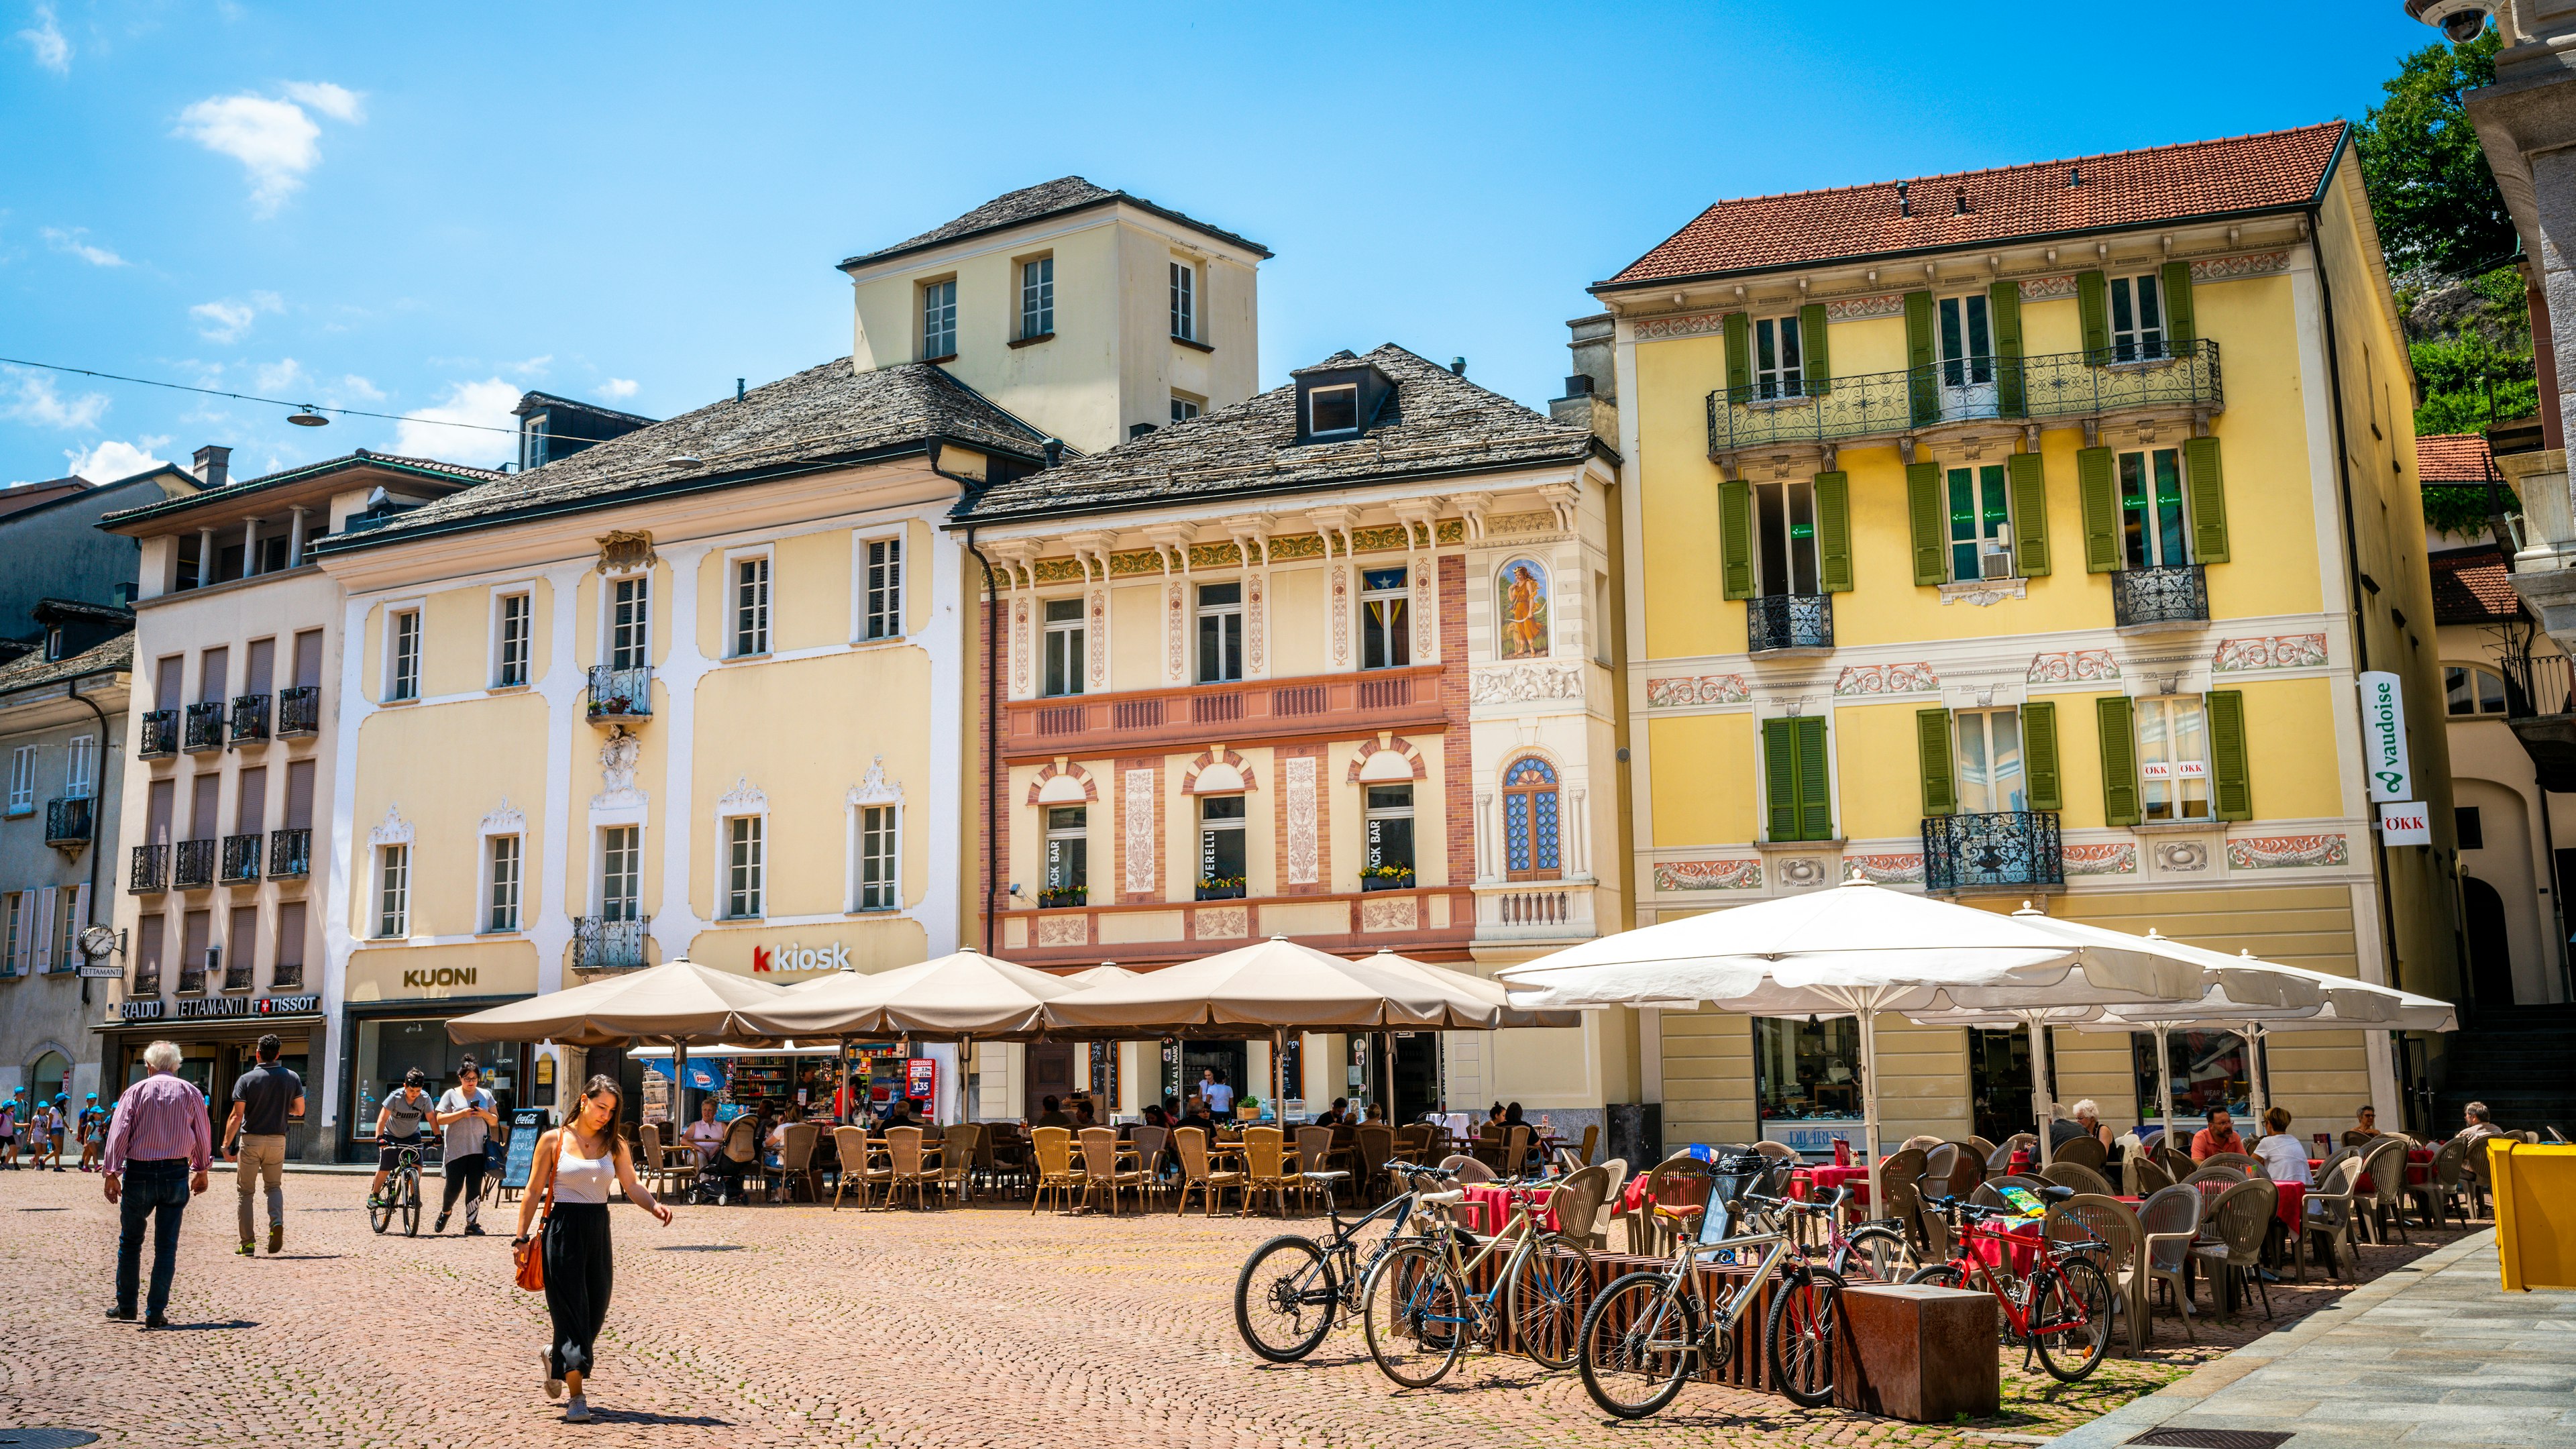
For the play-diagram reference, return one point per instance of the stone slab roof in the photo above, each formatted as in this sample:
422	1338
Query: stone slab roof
34	670
1029	203
430	468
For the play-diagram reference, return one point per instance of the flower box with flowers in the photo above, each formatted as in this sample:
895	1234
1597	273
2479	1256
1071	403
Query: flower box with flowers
1221	888
1386	878
1053	898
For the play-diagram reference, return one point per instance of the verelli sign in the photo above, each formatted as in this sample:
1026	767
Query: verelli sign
2383	735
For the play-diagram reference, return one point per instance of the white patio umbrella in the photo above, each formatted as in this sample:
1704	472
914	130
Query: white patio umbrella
1855	950
964	994
677	1002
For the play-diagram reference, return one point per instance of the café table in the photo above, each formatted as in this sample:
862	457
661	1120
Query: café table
1487	1206
2419	1170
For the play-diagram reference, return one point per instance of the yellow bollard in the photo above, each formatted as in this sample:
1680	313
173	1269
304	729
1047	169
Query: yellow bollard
2535	1206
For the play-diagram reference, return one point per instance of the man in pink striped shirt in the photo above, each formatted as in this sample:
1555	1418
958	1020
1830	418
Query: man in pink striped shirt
158	1149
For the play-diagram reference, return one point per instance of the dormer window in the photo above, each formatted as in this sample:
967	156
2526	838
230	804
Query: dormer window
54	642
1333	409
1343	398
532	442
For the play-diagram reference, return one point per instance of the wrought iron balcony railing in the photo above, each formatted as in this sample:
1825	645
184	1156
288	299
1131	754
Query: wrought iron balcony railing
241	859
204	729
159	736
286	975
602	945
150	874
2006	848
1789	621
250	719
2050	385
2176	595
72	820
621	696
236	975
147	979
192	979
290	854
192	864
299	711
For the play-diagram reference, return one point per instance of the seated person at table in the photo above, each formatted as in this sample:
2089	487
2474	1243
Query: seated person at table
777	1138
1050	1114
1375	1116
706	1134
899	1114
1155	1116
1337	1114
720	1173
2285	1158
1512	1116
1198	1116
2086	1122
2219	1136
1494	1116
2481	1126
1083	1113
2364	1129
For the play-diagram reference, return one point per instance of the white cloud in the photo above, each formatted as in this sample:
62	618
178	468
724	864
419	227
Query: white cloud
619	388
225	320
337	102
361	389
273	139
112	459
278	377
37	403
432	432
45	38
532	367
69	243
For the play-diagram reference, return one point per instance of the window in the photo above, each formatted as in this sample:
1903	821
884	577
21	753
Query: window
630	623
510	652
1221	859
1967	343
882	614
54	642
1804	1071
2469	827
2151	516
1384	626
1990	761
532	442
1063	646
402	656
1797	778
1980	523
2173	758
1184	407
939	320
2137	318
1387	862
1185	302
13	925
1068	857
744	871
1220	633
1529	820
22	780
393	891
751	606
1333	409
1778	361
1785	532
2207	1068
1037	297
621	873
879	839
501	889
2469	689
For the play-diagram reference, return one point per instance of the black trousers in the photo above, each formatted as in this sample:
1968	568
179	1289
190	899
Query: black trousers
464	1174
153	1195
579	1274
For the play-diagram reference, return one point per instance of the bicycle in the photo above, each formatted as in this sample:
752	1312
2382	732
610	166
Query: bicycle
401	1194
1653	1326
1292	1277
1879	1245
1419	1314
2062	1304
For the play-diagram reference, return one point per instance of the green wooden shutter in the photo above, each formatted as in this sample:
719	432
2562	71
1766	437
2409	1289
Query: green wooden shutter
1818	358
1735	536
1833	532
1932	745
1780	776
2097	488
1924	384
2093	303
1931	519
2004	305
2208	487
2039	756
2119	760
2179	325
2231	792
1815	794
2029	513
1739	358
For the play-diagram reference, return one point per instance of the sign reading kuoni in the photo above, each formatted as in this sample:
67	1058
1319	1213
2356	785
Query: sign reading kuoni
2383	736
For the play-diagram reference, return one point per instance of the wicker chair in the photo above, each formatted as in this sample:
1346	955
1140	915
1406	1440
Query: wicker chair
1516	1149
2079	1177
2332	1209
1469	1169
960	1150
1103	1172
2085	1151
850	1144
1591	1142
649	1165
1314	1154
796	1161
1196	1172
2170	1222
2384	1163
1980	1149
1051	1149
1153	1147
742	1150
1267	1168
1937	1161
2241	1217
2124	1260
1376	1146
2446	1183
911	1163
1413	1141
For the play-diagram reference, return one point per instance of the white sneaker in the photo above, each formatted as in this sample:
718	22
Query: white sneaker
554	1381
578	1411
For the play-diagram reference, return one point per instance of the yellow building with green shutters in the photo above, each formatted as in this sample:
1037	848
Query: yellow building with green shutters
2024	535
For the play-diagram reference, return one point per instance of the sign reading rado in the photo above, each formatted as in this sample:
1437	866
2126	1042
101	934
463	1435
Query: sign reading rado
834	957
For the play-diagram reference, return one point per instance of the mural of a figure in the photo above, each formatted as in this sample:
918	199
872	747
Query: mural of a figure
1523	595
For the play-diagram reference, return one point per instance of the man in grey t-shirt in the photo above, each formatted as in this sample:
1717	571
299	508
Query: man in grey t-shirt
465	1118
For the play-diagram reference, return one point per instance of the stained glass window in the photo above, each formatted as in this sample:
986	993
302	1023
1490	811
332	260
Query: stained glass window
1529	819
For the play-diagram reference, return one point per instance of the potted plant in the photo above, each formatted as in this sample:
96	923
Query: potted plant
1221	888
1386	878
1056	897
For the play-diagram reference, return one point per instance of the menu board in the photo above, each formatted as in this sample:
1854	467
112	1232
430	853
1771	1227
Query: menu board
526	1126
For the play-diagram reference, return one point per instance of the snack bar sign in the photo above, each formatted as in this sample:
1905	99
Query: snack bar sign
2383	733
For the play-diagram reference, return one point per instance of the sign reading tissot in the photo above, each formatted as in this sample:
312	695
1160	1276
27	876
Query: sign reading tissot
210	1008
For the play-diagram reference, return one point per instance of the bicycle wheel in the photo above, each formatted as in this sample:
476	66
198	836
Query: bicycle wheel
1806	1320
1549	1292
1416	1316
2070	1317
1284	1298
1639	1342
380	1208
411	1204
1941	1275
1874	1251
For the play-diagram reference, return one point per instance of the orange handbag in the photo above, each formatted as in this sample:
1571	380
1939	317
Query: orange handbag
531	1255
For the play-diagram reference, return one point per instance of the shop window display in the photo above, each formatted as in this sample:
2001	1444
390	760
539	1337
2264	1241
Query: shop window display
2208	1070
389	1048
1807	1080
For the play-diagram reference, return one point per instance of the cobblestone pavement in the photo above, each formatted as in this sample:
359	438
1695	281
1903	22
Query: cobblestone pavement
798	1325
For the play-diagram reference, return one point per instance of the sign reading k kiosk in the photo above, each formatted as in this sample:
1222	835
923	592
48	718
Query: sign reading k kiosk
834	957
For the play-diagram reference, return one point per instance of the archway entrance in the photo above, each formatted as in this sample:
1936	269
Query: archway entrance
2490	952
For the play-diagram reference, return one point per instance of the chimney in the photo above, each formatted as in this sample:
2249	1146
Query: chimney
1904	204
214	465
1054	450
1458	365
737	389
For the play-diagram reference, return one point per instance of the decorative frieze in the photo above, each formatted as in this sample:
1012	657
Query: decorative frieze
1221	923
1868	679
1855	309
2185	857
1696	689
1694	324
1525	683
2279	651
617	761
1904	869
1709	875
1138	818
1390	912
2272	852
2041	289
1064	928
2252	264
2106	858
1297	776
2075	664
1984	593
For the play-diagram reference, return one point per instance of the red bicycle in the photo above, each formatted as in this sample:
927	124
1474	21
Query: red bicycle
2060	1309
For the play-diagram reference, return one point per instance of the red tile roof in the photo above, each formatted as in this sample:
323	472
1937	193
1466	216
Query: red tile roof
2471	586
2451	458
2123	188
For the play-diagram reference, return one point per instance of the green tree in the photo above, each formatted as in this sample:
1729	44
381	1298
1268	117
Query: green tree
2430	190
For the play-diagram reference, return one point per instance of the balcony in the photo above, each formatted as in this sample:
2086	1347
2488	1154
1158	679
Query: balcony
1537	911
71	822
250	720
241	859
236	975
158	739
2540	708
150	874
1776	622
2160	597
1342	706
602	945
299	711
290	854
147	980
621	696
2006	850
1890	404
286	976
192	866
192	980
204	730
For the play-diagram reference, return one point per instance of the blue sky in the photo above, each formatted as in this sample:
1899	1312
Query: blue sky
421	210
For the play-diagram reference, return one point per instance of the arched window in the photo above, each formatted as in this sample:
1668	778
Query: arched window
2472	689
1529	820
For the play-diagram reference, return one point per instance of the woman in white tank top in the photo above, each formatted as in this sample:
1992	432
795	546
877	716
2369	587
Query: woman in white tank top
570	1177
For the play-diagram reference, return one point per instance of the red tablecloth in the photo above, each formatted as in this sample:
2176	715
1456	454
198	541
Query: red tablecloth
2013	1258
2419	1171
1488	1207
1826	1179
2292	1209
